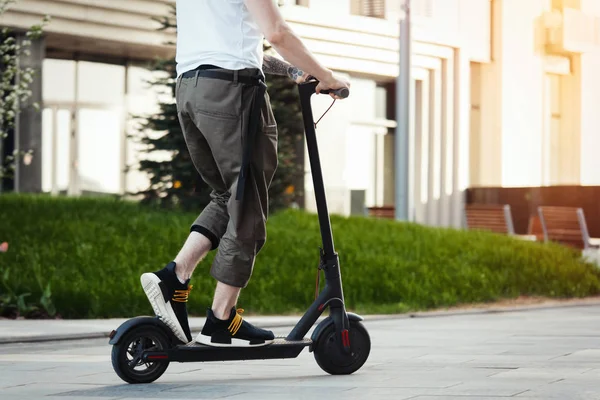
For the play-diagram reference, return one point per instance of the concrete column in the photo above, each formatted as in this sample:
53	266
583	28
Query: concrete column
403	82
422	145
28	174
435	127
569	159
461	139
447	155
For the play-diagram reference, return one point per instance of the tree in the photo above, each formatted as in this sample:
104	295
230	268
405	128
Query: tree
287	187
14	88
174	182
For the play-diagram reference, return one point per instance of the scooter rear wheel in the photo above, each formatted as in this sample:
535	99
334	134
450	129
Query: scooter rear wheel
333	360
127	355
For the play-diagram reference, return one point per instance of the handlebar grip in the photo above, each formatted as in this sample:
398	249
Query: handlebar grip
343	92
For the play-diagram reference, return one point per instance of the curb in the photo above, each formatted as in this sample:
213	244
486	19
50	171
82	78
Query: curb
52	338
549	305
590	302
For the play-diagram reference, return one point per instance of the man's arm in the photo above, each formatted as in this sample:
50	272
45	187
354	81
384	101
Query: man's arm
275	66
288	44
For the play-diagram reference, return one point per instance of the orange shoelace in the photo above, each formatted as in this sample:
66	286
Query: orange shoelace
237	322
181	296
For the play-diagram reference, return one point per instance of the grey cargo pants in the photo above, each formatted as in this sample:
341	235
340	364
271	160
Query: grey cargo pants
214	115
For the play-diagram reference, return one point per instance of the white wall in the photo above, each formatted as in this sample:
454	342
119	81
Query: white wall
360	170
590	119
590	105
522	93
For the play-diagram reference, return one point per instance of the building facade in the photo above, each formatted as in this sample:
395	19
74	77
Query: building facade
504	93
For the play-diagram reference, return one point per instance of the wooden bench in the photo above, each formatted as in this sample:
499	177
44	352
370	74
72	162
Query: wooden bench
490	217
566	225
535	229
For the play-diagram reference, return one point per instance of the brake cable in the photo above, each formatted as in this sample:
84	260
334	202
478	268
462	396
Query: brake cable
325	113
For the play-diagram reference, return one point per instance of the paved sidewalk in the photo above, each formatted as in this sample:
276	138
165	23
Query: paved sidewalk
15	331
540	354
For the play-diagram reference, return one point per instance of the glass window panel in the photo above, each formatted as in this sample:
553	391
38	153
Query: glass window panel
58	80
361	171
63	143
47	150
380	102
142	97
99	150
101	83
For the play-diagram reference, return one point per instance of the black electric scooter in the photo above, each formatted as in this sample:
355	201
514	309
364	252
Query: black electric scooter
144	346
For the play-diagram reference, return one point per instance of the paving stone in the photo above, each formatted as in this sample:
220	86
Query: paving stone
539	354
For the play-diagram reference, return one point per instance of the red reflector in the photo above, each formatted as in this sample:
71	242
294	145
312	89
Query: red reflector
345	338
158	357
112	334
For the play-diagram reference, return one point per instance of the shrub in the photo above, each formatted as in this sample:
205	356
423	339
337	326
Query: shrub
92	251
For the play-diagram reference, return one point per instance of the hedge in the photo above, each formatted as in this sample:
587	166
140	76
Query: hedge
82	258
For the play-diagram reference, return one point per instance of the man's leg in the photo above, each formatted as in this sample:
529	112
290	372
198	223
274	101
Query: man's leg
168	289
195	248
222	115
265	161
225	299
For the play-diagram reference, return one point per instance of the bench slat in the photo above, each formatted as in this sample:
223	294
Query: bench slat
565	225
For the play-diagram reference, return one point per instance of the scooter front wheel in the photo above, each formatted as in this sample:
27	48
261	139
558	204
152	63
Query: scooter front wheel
330	357
127	355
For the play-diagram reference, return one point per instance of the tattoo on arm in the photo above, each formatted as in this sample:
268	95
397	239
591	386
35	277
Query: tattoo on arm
275	66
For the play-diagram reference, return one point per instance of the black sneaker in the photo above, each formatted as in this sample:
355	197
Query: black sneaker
234	332
168	296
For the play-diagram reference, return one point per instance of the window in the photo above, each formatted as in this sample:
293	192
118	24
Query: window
368	8
82	132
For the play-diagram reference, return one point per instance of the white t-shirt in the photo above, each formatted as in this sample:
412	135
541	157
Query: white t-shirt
217	32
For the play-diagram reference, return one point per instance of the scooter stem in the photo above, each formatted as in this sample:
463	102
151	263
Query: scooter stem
332	295
306	90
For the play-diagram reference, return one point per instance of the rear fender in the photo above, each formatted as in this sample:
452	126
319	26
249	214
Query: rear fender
133	323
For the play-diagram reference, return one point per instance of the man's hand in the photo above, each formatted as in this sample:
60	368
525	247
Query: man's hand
333	83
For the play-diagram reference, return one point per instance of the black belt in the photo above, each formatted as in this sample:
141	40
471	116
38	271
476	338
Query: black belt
211	71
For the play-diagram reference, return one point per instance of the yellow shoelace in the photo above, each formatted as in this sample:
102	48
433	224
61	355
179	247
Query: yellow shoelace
181	296
237	322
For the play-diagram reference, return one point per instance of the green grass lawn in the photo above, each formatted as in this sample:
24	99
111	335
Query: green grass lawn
92	251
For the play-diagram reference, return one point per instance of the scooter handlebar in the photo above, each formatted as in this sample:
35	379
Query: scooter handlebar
343	92
312	82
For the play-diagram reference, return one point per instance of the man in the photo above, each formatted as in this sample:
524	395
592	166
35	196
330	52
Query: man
231	136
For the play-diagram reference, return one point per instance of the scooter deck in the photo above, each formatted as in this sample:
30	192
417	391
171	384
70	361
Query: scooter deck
196	352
